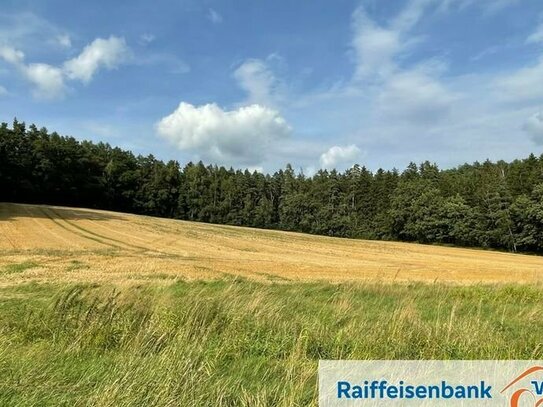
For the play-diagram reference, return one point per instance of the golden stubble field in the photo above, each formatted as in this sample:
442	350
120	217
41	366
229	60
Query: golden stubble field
48	243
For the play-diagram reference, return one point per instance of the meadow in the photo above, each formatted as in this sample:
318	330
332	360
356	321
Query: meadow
107	309
240	342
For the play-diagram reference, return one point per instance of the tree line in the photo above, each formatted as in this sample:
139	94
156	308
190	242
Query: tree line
491	204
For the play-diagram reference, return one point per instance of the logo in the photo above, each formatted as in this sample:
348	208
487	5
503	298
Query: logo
431	383
534	393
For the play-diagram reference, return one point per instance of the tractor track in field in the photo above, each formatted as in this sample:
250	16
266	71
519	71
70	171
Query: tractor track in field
100	238
49	231
159	249
79	234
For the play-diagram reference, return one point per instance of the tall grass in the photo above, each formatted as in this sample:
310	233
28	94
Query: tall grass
240	343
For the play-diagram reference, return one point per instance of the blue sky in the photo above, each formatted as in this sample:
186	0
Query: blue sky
257	84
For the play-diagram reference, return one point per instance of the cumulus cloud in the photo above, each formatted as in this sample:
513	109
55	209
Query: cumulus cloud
340	156
534	127
241	136
255	77
12	55
49	80
108	53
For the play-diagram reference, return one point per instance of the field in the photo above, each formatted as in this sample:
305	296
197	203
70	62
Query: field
53	244
107	309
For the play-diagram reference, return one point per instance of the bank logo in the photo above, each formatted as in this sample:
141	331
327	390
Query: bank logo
431	383
523	393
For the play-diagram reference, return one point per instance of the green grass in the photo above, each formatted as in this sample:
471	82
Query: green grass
240	343
19	267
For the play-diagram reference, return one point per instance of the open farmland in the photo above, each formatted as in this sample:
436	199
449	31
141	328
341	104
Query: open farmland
45	243
107	309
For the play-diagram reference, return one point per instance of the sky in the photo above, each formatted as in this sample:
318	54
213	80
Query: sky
259	84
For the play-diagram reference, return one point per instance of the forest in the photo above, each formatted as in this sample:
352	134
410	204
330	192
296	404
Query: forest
496	205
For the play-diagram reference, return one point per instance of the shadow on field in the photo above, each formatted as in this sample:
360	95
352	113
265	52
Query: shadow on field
10	211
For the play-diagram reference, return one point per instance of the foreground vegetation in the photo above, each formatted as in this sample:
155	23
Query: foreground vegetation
491	205
237	342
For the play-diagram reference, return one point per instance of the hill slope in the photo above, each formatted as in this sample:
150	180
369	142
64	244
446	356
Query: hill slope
41	243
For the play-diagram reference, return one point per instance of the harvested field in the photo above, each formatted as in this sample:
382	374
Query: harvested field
102	308
48	243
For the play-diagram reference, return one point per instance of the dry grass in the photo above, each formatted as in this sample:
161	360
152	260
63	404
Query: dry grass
46	243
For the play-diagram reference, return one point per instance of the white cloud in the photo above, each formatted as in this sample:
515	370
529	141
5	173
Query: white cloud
242	136
48	80
401	106
415	96
214	16
411	14
534	127
108	53
521	85
374	46
26	29
12	55
340	156
379	47
64	40
3	91
258	81
537	36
